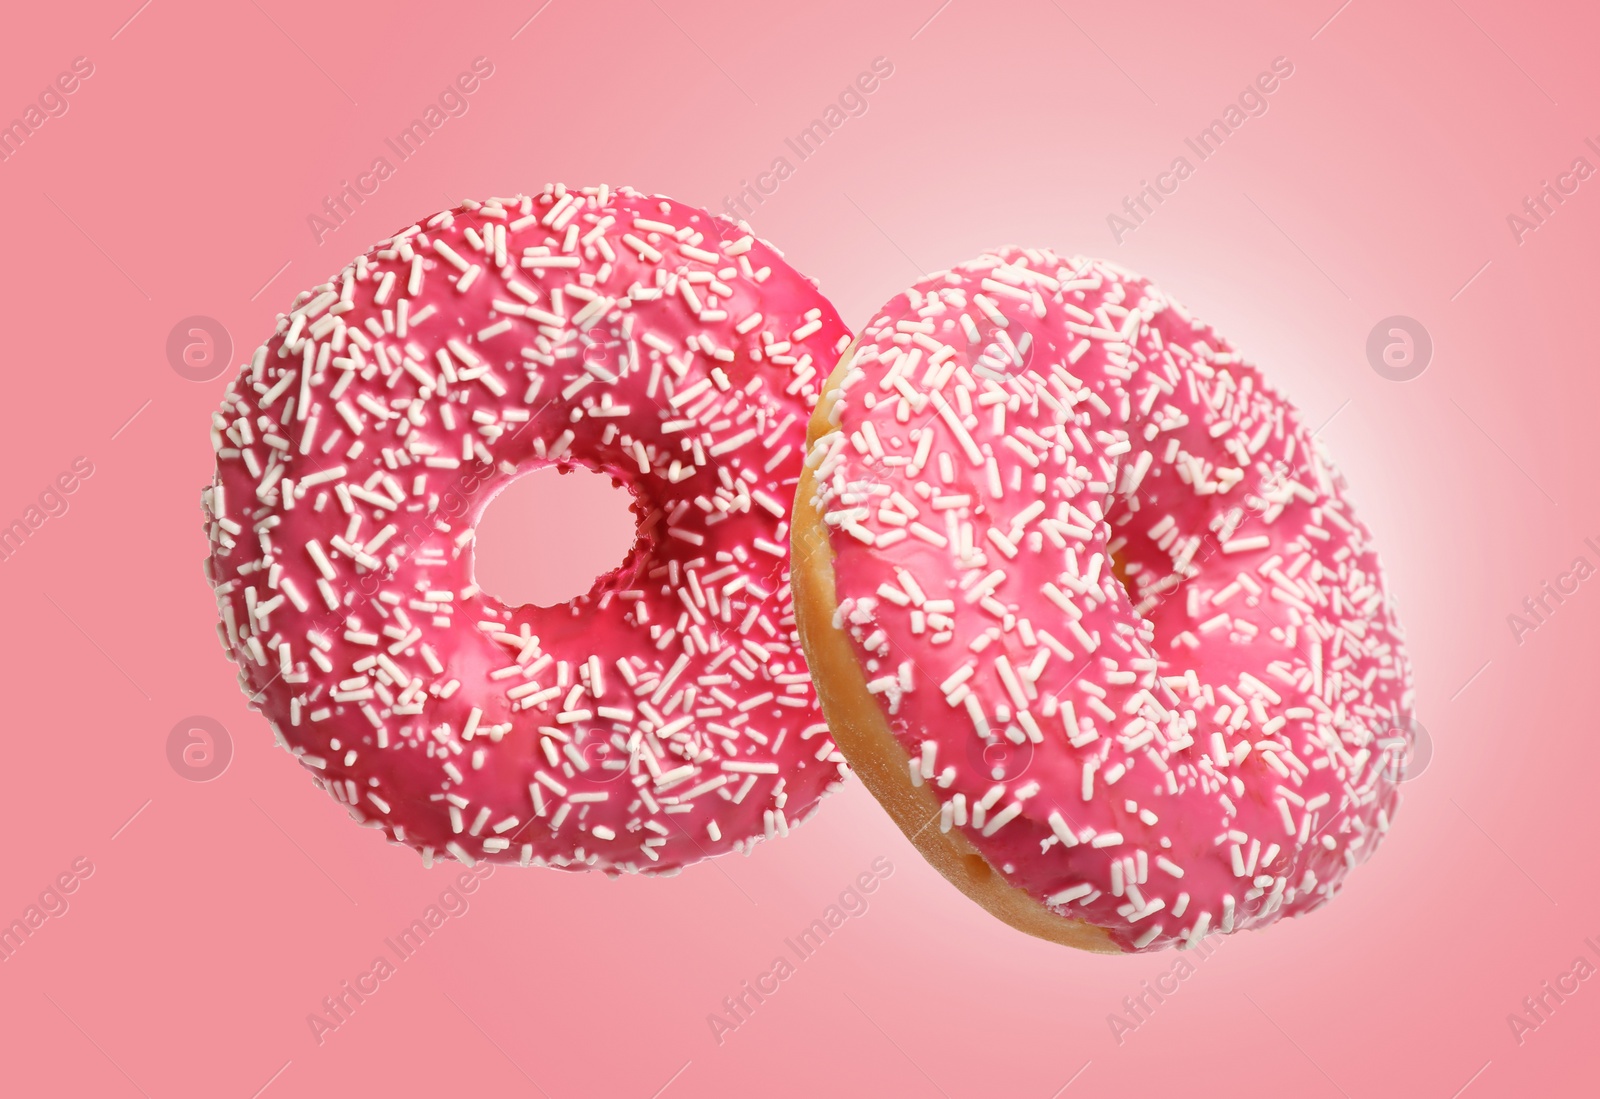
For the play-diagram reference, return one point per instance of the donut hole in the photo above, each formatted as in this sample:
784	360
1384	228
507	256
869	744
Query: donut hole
1144	567
548	536
1120	569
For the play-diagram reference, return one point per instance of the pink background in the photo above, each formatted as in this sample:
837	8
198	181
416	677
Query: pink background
219	914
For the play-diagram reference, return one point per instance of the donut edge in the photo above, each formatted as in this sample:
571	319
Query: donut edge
862	733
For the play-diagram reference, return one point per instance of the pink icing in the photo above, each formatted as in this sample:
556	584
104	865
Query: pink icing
1212	759
665	716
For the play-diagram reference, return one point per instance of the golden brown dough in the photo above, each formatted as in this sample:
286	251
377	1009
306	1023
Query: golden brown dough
859	728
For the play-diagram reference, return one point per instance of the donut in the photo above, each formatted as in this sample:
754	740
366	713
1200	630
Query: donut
663	717
1089	612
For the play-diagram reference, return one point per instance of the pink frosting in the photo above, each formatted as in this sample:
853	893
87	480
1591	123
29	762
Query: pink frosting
665	716
1112	600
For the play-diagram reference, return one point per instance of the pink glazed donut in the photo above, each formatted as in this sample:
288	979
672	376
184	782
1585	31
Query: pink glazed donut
1088	610
662	718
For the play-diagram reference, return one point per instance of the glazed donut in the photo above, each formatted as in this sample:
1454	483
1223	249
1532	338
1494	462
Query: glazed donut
1088	610
665	716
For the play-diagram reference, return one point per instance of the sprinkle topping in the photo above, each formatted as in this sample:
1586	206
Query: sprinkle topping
1112	601
665	716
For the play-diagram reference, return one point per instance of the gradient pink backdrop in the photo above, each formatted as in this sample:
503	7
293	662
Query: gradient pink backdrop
219	914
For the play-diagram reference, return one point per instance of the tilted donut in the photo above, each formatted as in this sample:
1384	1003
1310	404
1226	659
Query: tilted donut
665	716
1088	610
